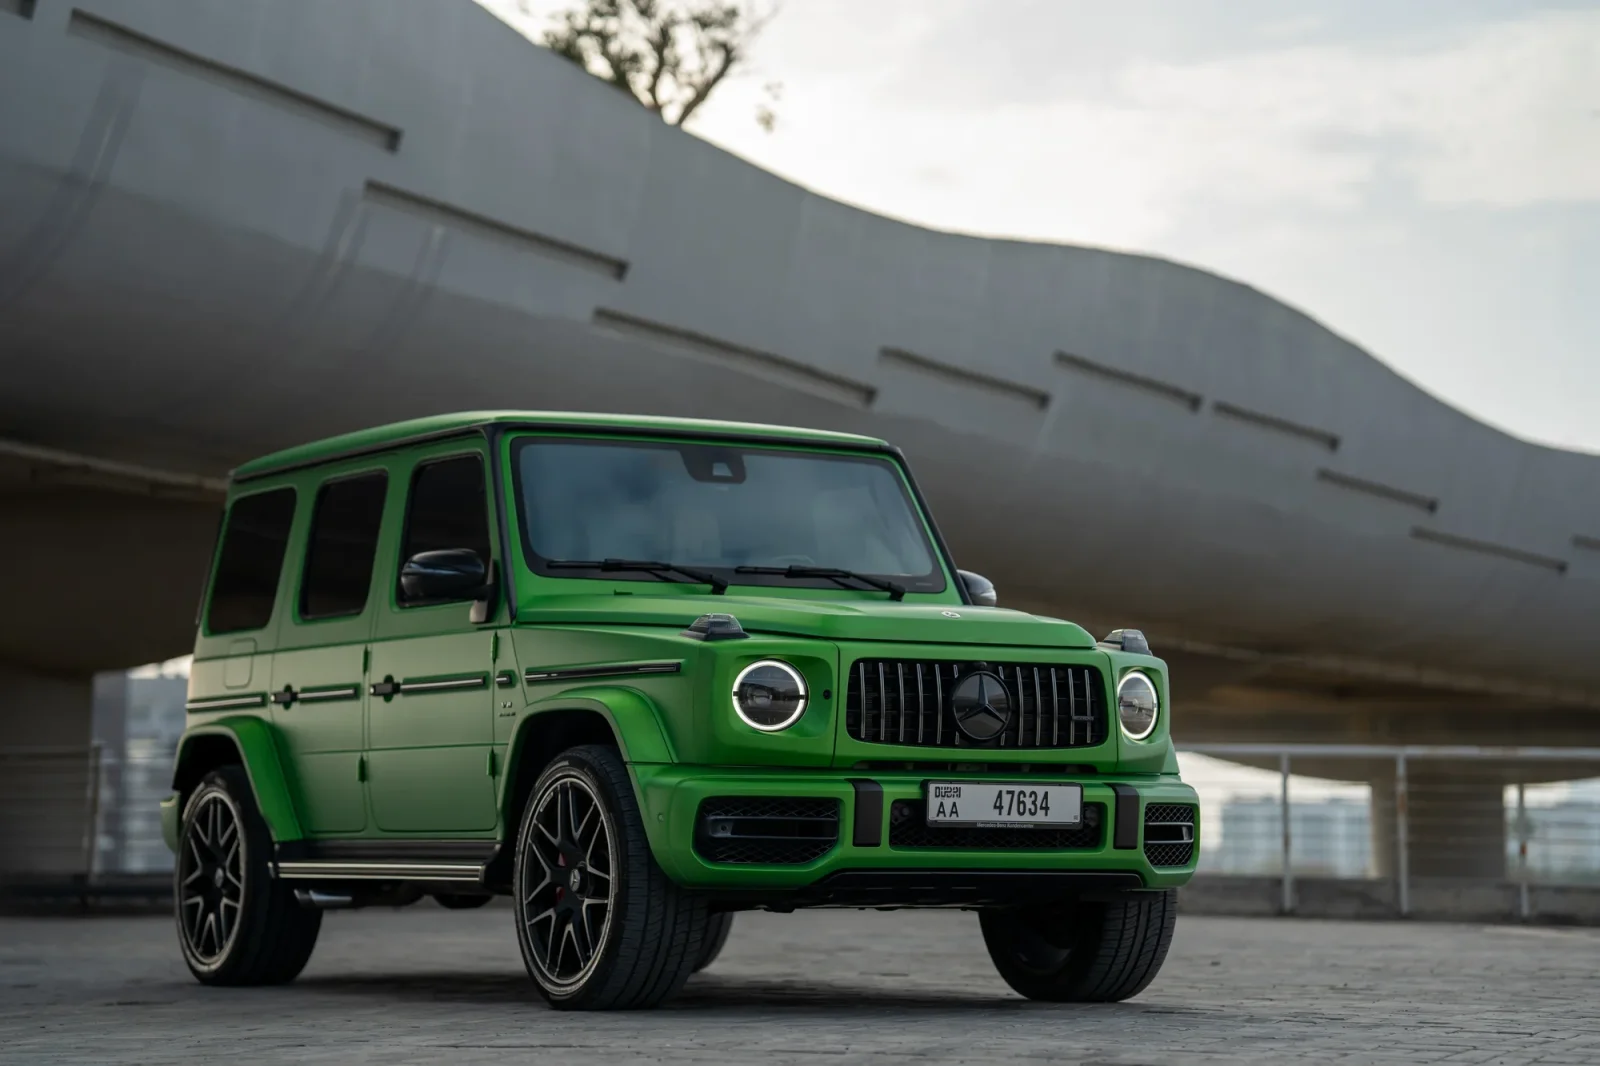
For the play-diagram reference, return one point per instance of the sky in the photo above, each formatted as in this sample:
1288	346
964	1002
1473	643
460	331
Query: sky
1422	177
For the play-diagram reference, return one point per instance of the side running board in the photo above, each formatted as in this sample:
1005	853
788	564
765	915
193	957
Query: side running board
345	870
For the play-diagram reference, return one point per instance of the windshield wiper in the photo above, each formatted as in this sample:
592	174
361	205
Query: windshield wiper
644	566
895	590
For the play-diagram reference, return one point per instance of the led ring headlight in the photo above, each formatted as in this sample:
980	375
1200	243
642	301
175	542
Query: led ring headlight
769	695
1137	705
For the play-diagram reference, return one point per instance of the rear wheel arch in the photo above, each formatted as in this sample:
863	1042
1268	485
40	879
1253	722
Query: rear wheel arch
245	742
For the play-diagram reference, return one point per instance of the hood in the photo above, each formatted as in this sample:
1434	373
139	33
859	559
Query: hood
825	619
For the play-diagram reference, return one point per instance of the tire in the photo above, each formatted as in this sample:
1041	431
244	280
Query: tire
1083	952
717	926
619	938
456	901
237	925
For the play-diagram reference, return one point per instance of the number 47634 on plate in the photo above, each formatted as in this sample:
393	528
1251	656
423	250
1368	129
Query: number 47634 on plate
1013	804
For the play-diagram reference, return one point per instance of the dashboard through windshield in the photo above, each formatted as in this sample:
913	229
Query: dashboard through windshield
716	509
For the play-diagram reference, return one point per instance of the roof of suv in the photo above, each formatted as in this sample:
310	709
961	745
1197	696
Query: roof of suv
381	437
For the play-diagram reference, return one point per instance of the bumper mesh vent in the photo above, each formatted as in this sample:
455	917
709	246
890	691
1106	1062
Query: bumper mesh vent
760	830
908	828
903	701
1169	834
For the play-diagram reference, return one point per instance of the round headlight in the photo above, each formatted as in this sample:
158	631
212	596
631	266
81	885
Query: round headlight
769	695
1137	705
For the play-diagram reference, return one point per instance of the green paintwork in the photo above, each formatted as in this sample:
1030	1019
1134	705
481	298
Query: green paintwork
253	738
171	815
435	762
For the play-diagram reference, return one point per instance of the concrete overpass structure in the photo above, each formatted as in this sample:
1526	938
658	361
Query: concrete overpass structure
226	228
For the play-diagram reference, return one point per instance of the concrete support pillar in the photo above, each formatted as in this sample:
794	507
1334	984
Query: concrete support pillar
1456	824
47	777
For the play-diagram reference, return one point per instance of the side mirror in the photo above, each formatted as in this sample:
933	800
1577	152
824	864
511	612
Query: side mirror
979	588
441	576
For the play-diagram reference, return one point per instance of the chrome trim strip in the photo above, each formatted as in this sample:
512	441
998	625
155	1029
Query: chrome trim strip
565	673
305	870
328	695
224	703
445	684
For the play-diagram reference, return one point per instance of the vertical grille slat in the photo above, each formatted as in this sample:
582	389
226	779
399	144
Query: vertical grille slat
1055	709
878	713
900	680
921	717
884	709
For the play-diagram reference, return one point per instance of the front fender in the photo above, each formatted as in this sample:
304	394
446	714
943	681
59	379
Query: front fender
632	716
257	748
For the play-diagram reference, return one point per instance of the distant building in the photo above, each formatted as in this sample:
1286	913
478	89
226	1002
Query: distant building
1332	838
137	723
1329	838
1563	842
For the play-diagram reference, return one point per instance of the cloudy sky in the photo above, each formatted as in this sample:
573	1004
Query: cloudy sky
1423	177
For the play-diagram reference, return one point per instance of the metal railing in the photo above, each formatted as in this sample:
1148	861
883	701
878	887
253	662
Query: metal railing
1449	818
79	816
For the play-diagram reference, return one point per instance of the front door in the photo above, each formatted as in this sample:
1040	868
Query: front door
430	710
318	679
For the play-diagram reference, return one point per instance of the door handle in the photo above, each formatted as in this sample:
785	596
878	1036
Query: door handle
285	698
385	688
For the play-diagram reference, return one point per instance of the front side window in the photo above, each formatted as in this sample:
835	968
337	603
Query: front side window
447	509
250	562
343	543
719	508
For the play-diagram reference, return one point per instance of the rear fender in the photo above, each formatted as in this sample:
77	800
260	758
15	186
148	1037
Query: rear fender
255	747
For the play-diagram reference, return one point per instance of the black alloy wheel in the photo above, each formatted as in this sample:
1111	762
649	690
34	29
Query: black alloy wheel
211	878
237	924
569	907
600	925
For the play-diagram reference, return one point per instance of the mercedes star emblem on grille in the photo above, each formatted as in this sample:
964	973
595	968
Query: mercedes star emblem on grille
981	705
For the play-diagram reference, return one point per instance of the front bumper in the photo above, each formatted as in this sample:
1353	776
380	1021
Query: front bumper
671	799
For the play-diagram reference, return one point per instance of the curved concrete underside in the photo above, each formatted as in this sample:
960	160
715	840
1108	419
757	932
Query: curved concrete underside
230	228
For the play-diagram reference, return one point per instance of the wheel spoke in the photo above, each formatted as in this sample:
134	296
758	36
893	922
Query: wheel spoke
577	835
222	918
193	876
582	938
544	883
570	932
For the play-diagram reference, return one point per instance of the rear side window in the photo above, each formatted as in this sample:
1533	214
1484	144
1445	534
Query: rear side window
343	543
447	509
251	561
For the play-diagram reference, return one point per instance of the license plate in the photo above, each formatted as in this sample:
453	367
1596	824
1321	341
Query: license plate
1014	805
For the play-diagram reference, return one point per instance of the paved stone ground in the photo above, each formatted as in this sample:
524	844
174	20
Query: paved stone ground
425	985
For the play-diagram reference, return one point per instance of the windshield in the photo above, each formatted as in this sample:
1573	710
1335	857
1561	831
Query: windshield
716	508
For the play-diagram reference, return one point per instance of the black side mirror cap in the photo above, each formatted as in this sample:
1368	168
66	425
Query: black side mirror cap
1128	640
444	575
980	590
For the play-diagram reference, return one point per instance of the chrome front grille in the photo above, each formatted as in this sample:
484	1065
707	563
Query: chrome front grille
904	701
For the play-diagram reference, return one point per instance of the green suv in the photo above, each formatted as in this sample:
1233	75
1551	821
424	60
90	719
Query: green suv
639	674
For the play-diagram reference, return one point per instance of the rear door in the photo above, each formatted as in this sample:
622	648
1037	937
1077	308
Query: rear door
430	715
319	672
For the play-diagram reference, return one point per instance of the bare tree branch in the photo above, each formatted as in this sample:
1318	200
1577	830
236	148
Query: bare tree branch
669	55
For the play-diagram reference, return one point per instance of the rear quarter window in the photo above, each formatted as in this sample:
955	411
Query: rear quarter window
255	538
